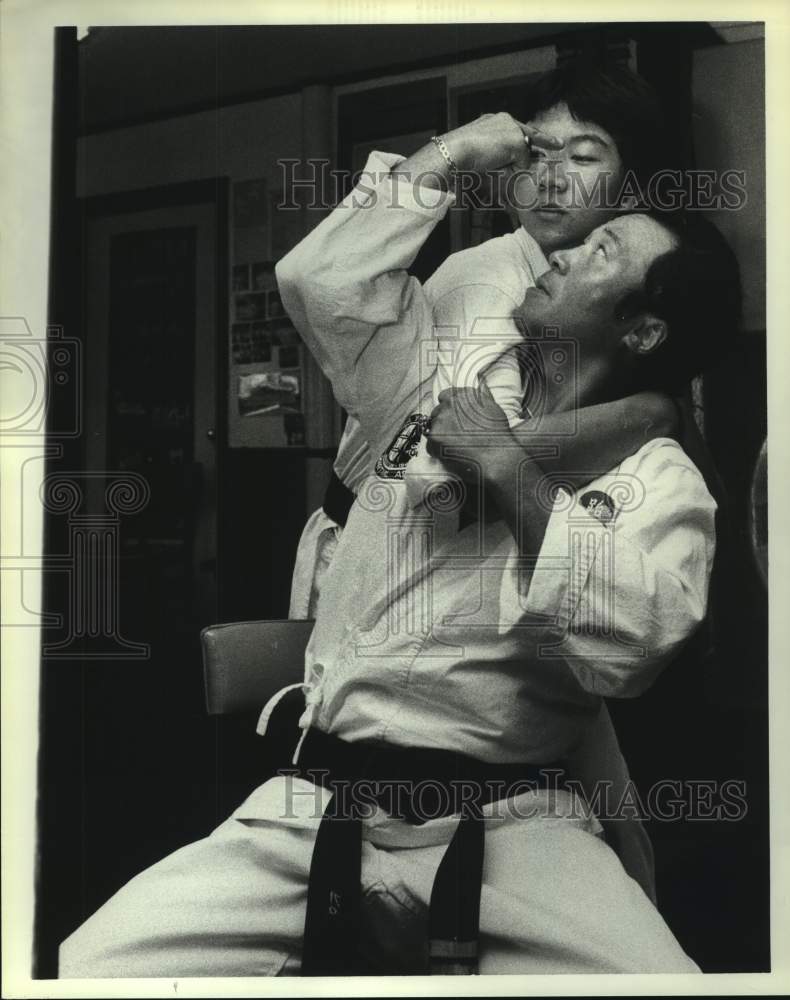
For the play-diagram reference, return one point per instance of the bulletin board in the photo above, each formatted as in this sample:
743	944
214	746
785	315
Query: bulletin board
266	354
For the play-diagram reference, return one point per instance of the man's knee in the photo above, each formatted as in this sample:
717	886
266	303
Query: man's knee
81	956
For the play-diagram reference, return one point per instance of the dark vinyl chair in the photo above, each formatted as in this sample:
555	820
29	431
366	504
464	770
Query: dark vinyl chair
245	663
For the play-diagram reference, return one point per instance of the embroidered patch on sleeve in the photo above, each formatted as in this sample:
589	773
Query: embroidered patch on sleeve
393	461
599	504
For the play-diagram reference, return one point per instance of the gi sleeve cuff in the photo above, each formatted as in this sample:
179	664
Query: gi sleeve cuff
378	183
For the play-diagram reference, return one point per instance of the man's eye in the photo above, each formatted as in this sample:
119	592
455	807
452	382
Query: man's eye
585	159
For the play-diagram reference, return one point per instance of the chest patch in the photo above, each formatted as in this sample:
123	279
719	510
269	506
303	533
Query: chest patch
393	461
599	504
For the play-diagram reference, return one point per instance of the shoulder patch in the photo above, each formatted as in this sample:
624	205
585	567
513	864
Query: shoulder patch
599	504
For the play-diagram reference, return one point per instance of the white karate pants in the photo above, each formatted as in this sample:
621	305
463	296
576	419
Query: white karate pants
555	898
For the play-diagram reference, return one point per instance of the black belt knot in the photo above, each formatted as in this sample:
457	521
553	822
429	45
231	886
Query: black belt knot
415	784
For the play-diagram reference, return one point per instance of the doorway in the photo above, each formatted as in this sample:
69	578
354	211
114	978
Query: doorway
153	330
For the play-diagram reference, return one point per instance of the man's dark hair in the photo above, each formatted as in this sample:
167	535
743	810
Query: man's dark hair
696	289
617	100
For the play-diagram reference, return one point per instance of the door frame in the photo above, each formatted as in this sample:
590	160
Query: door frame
214	191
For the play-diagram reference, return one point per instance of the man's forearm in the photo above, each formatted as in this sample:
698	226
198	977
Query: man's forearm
426	168
591	441
512	481
490	142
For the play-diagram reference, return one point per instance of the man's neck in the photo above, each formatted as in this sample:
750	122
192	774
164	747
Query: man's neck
591	382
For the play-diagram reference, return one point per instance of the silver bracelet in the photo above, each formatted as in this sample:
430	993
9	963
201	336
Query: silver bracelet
441	145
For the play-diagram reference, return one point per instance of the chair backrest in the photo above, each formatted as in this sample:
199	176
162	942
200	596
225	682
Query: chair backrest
245	663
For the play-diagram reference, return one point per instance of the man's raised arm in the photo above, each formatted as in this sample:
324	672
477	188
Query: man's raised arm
346	287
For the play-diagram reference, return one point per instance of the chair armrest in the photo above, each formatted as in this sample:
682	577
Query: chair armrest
245	663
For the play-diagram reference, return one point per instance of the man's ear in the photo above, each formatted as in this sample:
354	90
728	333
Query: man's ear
646	334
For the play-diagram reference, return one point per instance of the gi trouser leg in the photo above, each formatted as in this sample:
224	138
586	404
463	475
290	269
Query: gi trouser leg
555	899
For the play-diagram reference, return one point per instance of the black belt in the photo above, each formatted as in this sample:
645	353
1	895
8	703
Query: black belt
416	784
338	500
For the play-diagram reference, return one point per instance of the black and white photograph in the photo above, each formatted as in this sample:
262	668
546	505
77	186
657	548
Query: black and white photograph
263	279
251	306
274	305
386	540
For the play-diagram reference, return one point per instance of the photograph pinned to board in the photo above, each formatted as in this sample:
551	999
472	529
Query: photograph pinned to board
274	304
251	306
272	392
253	342
266	384
259	305
250	343
263	279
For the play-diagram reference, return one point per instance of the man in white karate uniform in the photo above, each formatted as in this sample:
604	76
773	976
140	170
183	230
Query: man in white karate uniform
485	622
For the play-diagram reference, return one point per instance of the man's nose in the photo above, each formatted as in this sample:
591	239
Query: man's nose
552	176
558	260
